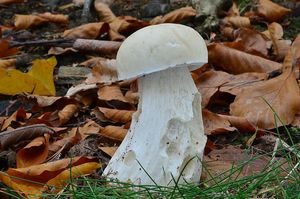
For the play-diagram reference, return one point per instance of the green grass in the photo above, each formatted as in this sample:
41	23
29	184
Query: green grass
271	182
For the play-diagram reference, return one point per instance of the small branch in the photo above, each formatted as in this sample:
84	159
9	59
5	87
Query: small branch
56	42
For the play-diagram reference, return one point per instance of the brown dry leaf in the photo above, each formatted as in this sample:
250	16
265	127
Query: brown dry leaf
215	124
271	11
111	93
211	82
33	153
132	97
28	21
104	12
31	180
220	163
61	51
114	132
241	123
281	48
5	51
87	31
103	70
282	93
115	115
67	113
127	24
253	41
18	115
237	21
275	29
7	2
208	84
89	128
176	16
54	18
8	63
234	10
63	145
109	150
237	62
115	36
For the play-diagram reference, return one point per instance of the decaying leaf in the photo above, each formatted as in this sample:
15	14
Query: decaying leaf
237	62
39	80
33	153
18	115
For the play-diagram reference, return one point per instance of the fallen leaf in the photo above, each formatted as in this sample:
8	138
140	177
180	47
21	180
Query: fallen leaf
104	12
117	115
271	11
7	2
275	29
126	25
5	51
282	93
237	21
67	113
33	180
109	150
111	93
18	115
89	128
54	18
33	153
237	62
39	80
8	63
215	124
87	31
176	16
114	132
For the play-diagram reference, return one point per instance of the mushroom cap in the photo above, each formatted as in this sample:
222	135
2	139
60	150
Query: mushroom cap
159	47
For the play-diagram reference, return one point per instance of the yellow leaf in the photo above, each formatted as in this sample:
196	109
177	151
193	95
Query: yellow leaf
39	80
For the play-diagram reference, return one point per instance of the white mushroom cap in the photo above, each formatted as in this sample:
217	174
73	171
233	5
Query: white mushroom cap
166	46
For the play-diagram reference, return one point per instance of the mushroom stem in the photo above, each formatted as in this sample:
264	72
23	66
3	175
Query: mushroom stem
166	137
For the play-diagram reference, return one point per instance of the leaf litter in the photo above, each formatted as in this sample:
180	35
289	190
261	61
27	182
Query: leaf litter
56	118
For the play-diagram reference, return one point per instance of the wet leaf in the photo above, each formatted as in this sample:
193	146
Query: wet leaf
109	150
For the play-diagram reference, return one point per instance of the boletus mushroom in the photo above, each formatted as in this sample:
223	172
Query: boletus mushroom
166	138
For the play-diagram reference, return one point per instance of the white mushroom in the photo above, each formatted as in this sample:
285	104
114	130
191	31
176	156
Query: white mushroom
166	138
